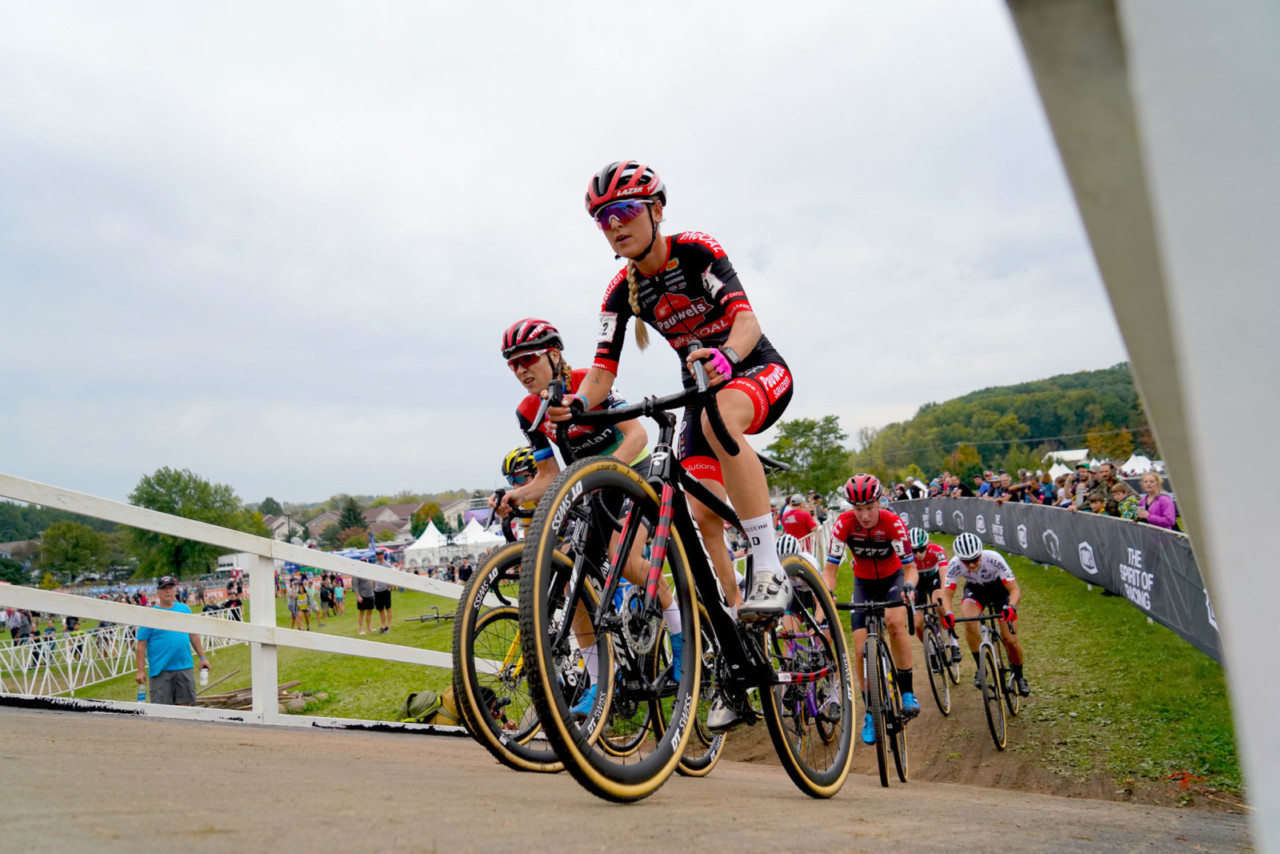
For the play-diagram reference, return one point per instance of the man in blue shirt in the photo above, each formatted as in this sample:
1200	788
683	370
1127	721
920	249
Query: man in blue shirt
167	654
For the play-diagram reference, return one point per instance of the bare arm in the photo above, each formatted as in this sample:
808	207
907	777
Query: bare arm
634	438
140	656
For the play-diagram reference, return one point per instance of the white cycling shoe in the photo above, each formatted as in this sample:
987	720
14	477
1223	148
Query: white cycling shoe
768	599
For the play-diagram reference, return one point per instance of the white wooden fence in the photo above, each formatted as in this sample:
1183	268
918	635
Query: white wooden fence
260	632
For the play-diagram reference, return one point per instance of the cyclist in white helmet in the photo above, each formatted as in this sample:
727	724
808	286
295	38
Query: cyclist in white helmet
988	580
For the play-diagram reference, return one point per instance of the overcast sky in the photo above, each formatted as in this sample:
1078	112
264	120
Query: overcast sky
278	243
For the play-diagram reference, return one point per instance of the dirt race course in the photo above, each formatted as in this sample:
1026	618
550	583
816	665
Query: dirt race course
94	782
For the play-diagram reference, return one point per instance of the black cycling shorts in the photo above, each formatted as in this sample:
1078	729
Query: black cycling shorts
873	590
995	594
925	585
769	387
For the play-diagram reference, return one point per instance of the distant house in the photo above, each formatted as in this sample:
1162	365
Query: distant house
281	527
459	508
397	518
18	549
317	525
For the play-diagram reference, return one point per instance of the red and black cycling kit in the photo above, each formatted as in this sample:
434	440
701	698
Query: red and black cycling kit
582	441
878	552
695	297
928	566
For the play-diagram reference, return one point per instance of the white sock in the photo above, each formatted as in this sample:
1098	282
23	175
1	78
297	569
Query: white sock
592	661
764	551
671	614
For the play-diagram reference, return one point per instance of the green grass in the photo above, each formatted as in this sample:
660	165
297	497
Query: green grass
355	687
1112	692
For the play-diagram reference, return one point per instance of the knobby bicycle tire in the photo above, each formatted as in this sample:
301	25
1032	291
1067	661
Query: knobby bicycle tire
876	688
896	723
818	763
579	493
989	675
934	652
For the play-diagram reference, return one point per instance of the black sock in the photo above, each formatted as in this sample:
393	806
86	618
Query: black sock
1017	670
975	659
904	679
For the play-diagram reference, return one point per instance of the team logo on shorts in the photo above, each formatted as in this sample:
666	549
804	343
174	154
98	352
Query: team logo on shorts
1088	562
1022	536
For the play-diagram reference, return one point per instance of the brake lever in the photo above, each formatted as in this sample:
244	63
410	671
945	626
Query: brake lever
712	407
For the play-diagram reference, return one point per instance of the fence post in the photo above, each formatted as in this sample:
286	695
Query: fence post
262	657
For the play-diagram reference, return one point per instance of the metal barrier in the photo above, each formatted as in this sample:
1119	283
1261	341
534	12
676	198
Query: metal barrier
260	632
50	665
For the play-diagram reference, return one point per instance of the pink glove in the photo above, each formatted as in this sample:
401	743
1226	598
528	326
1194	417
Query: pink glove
720	362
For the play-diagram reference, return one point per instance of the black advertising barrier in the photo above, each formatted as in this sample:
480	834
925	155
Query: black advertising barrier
1152	567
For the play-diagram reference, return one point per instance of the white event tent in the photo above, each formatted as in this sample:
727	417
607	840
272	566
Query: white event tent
427	547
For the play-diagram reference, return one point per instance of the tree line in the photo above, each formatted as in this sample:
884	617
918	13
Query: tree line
1006	427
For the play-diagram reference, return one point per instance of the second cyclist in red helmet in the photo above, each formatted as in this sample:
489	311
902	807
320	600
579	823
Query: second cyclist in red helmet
684	288
883	570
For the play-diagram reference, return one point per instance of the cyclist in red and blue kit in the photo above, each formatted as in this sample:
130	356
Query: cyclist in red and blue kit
685	288
535	353
931	565
883	570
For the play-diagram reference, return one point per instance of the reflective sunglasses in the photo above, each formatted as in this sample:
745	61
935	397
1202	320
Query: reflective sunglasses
919	549
519	479
623	212
526	360
972	561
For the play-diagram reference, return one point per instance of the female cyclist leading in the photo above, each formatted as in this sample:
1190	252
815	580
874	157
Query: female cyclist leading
685	288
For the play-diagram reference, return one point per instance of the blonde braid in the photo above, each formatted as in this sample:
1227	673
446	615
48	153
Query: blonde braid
642	334
566	372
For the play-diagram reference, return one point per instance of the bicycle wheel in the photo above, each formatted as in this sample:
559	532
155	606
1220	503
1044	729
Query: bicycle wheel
989	676
586	505
934	653
703	751
489	680
817	761
876	691
895	722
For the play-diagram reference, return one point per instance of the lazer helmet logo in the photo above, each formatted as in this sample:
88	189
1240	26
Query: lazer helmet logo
1088	562
632	191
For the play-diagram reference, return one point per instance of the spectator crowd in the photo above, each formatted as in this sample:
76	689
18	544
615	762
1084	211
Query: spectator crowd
1098	490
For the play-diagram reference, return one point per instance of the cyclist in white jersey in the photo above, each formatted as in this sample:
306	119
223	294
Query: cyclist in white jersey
988	580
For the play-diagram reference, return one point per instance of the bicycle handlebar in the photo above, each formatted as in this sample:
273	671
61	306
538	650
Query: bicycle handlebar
701	395
984	618
867	607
